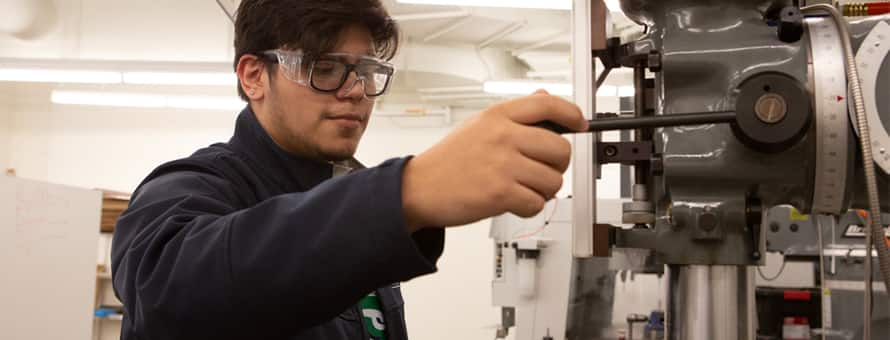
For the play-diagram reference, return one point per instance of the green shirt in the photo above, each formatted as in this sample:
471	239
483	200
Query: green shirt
372	313
372	316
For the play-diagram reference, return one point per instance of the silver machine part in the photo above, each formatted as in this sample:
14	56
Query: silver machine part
640	210
832	127
711	302
771	108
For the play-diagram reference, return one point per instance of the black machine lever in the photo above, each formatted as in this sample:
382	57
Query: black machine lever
679	119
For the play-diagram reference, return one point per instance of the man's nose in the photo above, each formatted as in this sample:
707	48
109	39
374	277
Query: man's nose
350	88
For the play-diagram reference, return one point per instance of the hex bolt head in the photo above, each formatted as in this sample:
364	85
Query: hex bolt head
707	221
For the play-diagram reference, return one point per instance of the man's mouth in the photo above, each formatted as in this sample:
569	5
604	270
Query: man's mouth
347	120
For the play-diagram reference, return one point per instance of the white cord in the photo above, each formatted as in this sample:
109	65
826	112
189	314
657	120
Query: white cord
822	286
781	269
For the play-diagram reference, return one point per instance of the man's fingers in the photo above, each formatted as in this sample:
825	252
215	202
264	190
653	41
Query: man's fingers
539	177
543	107
524	202
543	146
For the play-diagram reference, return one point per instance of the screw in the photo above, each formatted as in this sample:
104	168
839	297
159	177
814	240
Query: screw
794	227
771	108
774	227
611	151
707	221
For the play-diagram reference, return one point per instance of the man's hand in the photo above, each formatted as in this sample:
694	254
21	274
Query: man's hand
494	163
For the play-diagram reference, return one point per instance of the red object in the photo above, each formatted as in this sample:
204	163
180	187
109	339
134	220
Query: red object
840	98
876	8
796	295
862	213
797	320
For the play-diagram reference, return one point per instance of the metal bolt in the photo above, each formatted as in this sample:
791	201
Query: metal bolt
611	151
774	227
794	228
771	108
707	221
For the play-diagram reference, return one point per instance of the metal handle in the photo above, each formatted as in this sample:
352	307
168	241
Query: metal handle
678	119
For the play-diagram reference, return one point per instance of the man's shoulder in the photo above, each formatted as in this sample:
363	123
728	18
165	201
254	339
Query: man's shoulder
216	167
213	160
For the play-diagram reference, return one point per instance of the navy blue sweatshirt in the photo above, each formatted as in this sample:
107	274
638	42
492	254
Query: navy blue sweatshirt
242	240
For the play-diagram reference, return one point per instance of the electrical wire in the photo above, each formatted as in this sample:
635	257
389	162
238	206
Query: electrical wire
541	228
781	269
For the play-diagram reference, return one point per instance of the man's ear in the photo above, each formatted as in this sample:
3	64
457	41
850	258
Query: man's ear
251	71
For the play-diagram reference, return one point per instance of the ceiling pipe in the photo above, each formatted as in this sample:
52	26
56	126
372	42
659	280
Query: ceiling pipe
510	29
447	28
431	15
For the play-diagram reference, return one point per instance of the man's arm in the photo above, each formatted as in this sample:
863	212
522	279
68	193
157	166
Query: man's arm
188	264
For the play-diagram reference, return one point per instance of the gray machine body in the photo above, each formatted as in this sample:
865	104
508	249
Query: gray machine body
707	52
708	49
711	184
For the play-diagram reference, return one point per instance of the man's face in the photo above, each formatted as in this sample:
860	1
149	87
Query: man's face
326	126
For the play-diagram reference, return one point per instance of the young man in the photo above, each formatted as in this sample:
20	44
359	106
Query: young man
254	239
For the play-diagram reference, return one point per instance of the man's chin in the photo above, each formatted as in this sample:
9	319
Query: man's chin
340	153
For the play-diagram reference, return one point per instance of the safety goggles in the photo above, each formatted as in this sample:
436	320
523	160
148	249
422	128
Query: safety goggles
329	72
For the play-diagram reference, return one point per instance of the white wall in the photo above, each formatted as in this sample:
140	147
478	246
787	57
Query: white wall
5	132
109	148
455	303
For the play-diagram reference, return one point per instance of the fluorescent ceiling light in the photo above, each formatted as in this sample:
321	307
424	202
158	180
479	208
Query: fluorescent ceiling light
59	76
525	87
145	100
181	78
206	102
536	4
42	75
107	99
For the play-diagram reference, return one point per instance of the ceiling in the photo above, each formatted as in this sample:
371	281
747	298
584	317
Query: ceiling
447	51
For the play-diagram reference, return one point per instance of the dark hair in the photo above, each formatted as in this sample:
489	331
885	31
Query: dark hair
310	25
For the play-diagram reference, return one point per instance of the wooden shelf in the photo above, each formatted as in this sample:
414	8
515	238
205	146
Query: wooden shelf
113	205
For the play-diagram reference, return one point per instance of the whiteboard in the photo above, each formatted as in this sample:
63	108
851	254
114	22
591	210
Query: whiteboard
48	236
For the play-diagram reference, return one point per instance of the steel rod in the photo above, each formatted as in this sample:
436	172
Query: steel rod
679	119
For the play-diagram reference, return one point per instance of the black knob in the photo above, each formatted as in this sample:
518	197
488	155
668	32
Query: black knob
772	112
790	24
